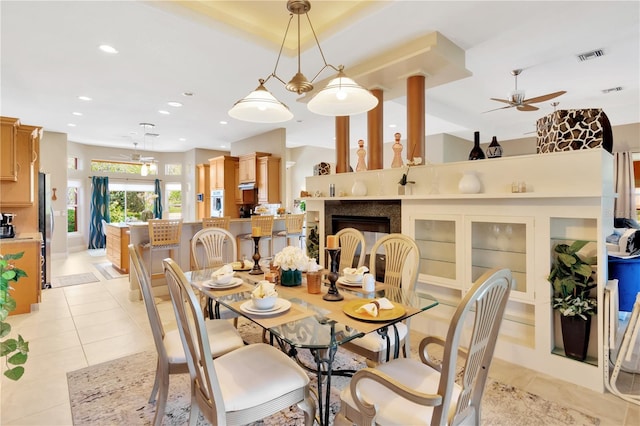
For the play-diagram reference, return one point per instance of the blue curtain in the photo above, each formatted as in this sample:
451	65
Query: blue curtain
157	202
99	211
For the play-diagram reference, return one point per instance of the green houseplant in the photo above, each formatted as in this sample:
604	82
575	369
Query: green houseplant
13	350
572	278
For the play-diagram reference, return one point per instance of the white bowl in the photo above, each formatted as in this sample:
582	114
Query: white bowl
354	278
264	303
223	279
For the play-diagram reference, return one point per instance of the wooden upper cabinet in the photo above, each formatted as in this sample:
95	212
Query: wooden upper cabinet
268	180
248	163
203	207
21	192
8	164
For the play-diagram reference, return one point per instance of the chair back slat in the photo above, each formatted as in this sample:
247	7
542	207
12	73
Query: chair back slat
265	223
400	252
350	239
217	222
164	232
294	223
219	247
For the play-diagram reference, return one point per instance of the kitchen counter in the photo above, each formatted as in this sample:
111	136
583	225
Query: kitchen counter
22	237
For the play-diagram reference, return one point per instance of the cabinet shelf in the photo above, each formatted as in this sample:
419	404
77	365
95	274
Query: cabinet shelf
589	360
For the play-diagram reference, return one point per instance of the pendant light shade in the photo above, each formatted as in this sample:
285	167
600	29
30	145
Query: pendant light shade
144	170
260	106
341	97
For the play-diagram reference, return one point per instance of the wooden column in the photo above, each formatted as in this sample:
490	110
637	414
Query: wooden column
415	117
375	133
342	144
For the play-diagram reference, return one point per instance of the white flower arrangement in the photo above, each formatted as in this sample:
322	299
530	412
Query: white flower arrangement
291	257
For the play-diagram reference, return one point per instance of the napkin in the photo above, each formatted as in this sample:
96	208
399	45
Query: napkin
373	307
264	289
225	270
353	271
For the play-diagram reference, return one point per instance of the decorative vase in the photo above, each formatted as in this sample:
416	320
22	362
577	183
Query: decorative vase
290	277
476	152
494	150
575	336
359	188
469	183
361	152
397	152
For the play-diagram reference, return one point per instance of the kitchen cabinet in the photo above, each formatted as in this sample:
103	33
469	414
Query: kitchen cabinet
8	166
203	191
21	192
222	171
268	180
27	291
242	197
248	166
118	247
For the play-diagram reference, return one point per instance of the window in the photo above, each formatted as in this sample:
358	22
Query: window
131	201
72	207
120	167
173	169
174	197
72	163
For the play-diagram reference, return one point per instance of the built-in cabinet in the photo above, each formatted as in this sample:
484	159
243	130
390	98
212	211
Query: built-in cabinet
19	187
242	197
268	180
203	191
118	247
248	166
27	291
222	172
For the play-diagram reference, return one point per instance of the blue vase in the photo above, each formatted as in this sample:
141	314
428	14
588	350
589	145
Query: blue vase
291	278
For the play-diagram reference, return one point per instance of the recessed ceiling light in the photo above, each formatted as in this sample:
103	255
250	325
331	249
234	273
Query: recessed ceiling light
79	114
162	111
182	139
84	98
223	122
393	126
71	125
108	49
174	104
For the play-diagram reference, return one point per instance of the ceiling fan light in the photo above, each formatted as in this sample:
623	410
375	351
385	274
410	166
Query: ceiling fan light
144	170
342	96
260	106
153	167
517	97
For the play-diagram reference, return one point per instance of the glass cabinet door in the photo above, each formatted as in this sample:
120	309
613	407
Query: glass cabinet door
502	242
438	240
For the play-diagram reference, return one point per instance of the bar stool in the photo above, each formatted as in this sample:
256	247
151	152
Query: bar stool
293	224
164	234
265	224
216	222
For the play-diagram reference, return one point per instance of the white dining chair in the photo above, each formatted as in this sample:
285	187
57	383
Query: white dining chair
171	357
406	391
242	386
400	252
352	243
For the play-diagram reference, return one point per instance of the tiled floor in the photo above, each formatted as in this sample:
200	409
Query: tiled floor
87	324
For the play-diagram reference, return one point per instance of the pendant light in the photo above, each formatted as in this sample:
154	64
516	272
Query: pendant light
342	96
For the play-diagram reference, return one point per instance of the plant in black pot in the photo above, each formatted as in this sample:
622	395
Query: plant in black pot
572	278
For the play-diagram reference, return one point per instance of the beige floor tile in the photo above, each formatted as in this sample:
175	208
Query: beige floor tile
48	344
28	397
59	415
87	320
633	415
107	330
116	347
94	307
509	373
35	329
51	364
84	289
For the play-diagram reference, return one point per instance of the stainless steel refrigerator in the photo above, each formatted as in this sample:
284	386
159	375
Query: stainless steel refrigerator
45	221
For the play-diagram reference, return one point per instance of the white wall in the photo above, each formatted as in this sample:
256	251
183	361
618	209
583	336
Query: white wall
53	153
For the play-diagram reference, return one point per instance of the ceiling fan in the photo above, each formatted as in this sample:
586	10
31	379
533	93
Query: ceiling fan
518	101
136	157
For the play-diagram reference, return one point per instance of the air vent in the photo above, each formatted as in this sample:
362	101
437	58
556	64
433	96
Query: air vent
590	55
613	89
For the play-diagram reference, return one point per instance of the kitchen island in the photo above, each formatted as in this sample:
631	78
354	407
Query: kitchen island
139	234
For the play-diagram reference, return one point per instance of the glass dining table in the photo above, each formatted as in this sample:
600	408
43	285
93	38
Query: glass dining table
302	320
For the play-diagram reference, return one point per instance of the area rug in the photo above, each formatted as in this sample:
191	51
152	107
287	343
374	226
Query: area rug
97	252
75	279
117	392
108	271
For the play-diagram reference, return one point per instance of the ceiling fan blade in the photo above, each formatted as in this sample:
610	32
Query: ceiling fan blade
526	107
544	97
502	100
496	109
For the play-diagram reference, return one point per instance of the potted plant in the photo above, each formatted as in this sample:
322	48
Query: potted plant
13	350
572	278
292	261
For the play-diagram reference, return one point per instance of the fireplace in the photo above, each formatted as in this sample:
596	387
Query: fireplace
374	219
